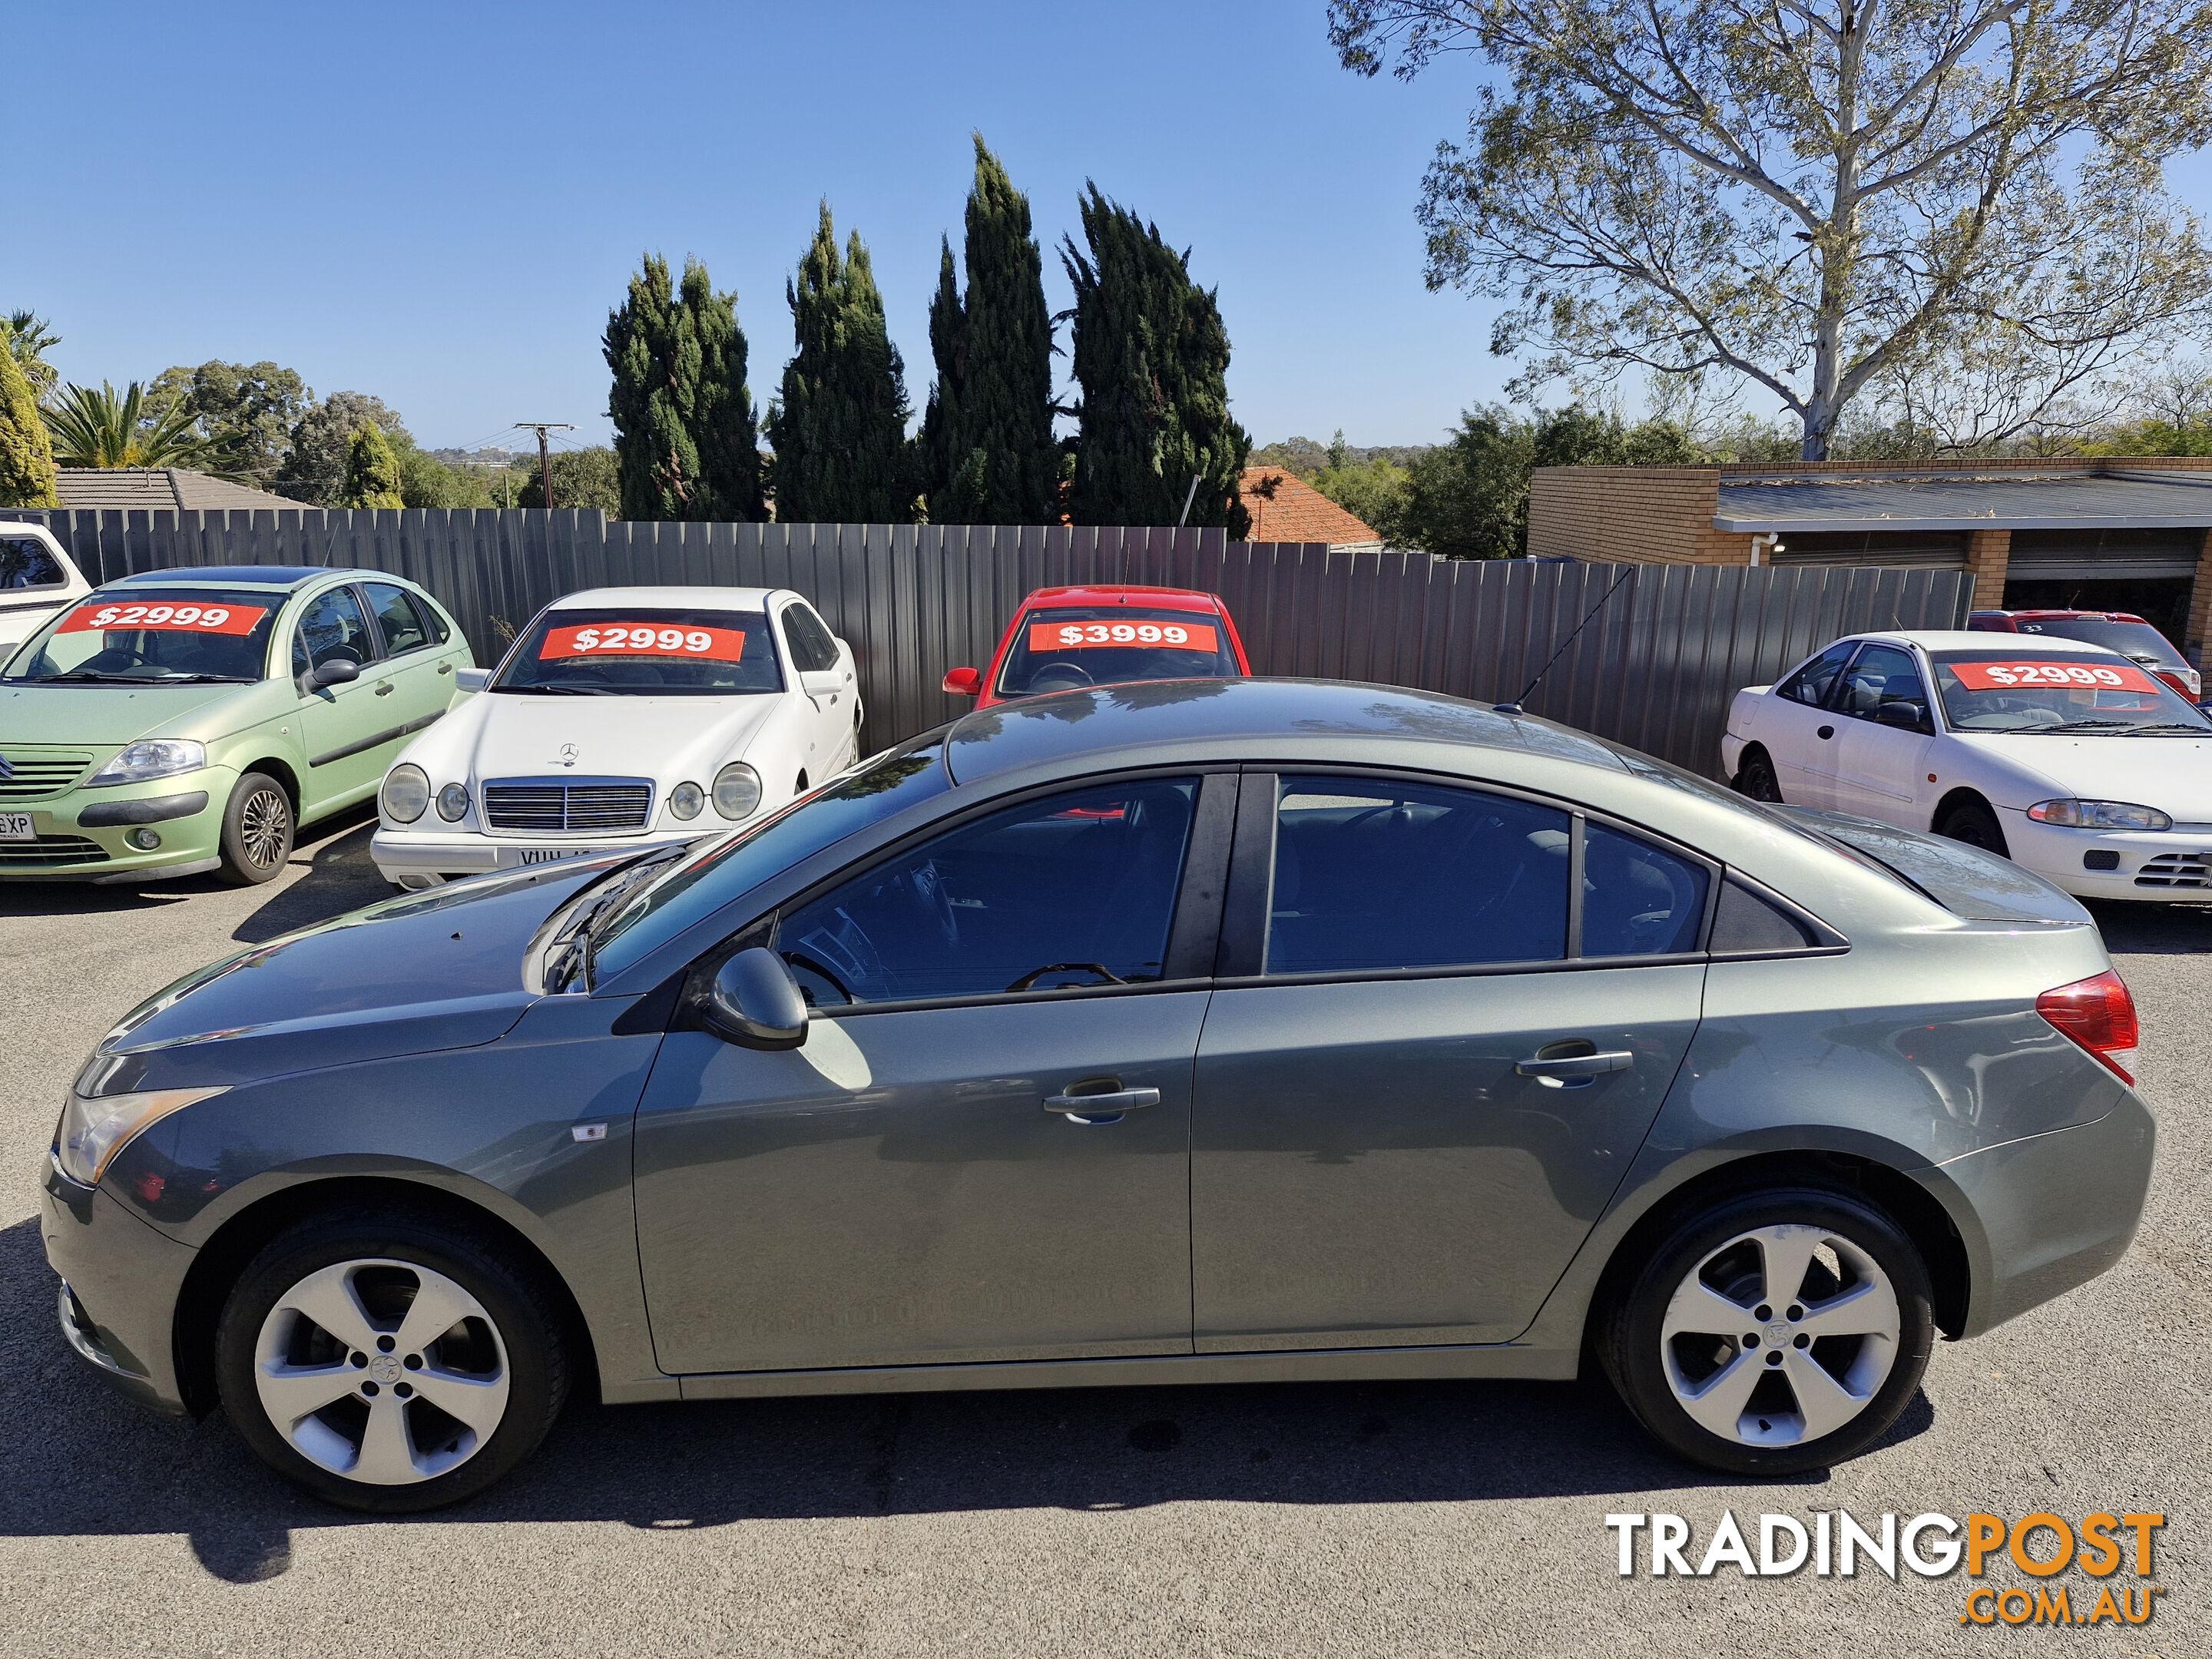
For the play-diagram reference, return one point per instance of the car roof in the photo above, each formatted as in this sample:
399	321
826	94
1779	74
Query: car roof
2066	615
1983	639
1237	716
281	577
675	598
1170	598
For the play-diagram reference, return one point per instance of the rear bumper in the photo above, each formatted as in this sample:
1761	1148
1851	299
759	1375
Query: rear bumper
2043	1215
120	1281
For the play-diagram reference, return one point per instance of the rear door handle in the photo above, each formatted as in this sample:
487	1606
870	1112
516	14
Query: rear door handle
1618	1060
1121	1100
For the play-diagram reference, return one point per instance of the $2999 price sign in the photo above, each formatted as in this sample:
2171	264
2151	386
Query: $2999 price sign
170	616
644	639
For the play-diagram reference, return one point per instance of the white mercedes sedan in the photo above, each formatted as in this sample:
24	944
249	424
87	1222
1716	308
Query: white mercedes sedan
2066	757
623	717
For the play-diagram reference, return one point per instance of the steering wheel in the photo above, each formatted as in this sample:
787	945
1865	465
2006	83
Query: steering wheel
929	892
1028	981
1059	677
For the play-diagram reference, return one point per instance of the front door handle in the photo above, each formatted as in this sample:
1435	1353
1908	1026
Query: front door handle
1121	1100
1825	732
385	690
1617	1060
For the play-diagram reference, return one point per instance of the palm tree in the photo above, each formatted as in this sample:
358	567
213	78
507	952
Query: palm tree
100	429
29	340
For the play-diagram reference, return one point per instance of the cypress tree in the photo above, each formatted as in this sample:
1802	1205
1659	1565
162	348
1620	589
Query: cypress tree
27	452
948	344
1151	359
839	428
684	432
372	471
995	460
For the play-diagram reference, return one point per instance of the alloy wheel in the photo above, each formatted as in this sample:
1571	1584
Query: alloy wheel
265	825
1783	1335
382	1371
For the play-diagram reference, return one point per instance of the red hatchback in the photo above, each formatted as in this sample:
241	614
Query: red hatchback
1064	638
2123	631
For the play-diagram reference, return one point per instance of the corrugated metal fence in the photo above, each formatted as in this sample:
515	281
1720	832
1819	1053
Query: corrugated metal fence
1655	668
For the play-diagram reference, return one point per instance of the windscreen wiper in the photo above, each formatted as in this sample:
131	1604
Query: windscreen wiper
2169	727
558	690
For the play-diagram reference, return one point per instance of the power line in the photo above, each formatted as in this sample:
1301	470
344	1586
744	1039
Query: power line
544	451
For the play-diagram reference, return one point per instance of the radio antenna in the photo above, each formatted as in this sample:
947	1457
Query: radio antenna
1514	708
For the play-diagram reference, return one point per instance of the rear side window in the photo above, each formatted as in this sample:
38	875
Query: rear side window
1637	900
1812	682
1743	921
398	616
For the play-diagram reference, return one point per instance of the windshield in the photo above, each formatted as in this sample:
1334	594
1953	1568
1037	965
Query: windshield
718	870
643	650
2130	639
153	635
1069	647
2020	692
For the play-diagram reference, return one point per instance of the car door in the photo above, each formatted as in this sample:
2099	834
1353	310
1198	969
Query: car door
826	679
1882	741
920	1182
415	662
346	729
1799	728
1430	1058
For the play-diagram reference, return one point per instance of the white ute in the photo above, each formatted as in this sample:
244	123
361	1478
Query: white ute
623	717
36	579
2067	758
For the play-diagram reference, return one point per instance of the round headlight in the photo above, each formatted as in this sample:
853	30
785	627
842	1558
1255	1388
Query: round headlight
406	793
685	799
737	790
453	801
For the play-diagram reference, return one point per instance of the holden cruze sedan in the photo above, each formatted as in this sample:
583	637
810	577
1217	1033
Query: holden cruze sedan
1193	1030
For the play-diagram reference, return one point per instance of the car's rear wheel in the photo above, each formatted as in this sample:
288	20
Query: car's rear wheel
390	1362
1773	1332
257	831
1975	825
1755	777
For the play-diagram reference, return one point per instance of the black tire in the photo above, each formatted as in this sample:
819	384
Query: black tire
1630	1340
531	1355
1972	822
258	829
1755	777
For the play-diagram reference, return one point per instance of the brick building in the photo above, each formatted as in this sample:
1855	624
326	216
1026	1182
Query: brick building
2114	533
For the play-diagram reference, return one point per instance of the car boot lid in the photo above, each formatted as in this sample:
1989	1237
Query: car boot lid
1965	880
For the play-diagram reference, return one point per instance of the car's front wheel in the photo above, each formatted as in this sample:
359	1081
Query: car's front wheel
1773	1332
1975	825
390	1362
1755	777
257	831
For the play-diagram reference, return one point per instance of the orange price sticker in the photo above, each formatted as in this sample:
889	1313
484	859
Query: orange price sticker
169	614
2063	676
1090	635
644	639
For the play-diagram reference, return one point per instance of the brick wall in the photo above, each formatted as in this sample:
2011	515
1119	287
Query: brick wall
1987	553
2200	605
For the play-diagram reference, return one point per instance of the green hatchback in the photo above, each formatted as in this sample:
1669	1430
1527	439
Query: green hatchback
179	721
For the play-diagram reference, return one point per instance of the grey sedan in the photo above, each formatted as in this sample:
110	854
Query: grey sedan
1181	1032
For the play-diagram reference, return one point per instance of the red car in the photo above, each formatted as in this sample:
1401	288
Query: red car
1062	639
2116	630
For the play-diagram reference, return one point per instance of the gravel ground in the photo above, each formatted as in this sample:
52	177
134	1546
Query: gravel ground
1399	1519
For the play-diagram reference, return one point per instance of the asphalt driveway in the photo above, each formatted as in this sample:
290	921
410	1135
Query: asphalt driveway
1398	1519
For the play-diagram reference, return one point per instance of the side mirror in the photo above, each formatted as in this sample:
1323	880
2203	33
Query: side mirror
754	1002
336	670
1910	715
822	683
471	679
965	681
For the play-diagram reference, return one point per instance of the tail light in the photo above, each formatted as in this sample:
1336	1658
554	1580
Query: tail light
2099	1015
2187	681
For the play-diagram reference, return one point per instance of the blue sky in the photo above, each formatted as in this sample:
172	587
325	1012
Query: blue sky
438	204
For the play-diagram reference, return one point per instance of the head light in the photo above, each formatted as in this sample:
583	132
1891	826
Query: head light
406	793
92	1132
685	799
453	802
737	790
151	757
2099	815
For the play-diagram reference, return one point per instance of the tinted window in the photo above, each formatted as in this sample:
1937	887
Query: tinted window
1075	890
133	634
1883	675
1743	920
2035	689
1374	876
1070	647
2129	639
643	650
399	618
1637	900
334	629
1812	682
813	647
26	564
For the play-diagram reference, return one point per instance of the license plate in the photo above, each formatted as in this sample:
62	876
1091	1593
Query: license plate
555	854
16	826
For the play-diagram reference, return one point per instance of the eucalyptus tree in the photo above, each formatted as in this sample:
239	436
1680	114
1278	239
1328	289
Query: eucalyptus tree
1956	207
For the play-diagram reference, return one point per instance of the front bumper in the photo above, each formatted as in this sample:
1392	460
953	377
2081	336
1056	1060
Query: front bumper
184	812
120	1281
423	858
2042	1215
2157	866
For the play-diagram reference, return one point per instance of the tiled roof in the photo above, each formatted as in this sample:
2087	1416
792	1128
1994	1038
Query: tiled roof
1296	512
160	489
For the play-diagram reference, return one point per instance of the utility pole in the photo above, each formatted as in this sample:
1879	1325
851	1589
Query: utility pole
544	455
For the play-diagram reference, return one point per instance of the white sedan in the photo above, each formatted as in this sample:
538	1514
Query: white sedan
623	717
2066	757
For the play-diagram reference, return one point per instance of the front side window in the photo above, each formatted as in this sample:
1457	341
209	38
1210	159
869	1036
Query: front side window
1075	890
399	618
135	636
2027	691
813	647
1883	676
334	629
1812	684
1068	647
25	562
643	650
